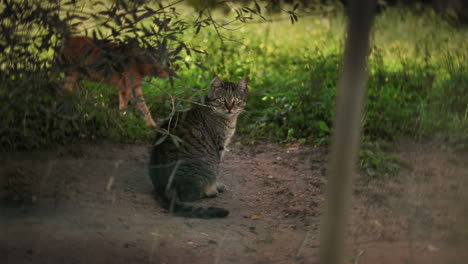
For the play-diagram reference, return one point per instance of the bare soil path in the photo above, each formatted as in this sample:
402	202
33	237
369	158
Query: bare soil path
95	205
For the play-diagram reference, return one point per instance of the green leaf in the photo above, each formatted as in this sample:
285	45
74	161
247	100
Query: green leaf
323	126
177	140
160	140
259	11
295	6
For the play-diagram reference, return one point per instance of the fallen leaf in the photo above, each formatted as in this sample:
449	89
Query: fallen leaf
255	217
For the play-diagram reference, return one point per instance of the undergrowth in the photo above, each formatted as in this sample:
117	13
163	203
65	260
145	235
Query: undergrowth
417	76
42	114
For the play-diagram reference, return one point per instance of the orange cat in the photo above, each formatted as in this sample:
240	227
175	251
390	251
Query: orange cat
121	65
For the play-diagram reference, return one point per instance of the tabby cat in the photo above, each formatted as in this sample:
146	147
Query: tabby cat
184	168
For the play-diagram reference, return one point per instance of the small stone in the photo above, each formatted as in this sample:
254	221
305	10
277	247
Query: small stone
431	248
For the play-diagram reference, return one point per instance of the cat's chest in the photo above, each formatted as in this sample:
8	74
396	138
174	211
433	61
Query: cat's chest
229	133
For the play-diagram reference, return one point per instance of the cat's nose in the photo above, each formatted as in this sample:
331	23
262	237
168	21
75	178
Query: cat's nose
229	106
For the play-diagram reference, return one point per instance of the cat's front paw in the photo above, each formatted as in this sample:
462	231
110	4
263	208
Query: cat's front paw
214	189
211	195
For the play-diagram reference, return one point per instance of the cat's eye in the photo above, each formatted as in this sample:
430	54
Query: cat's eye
237	100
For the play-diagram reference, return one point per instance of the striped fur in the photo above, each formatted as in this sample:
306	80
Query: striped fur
187	171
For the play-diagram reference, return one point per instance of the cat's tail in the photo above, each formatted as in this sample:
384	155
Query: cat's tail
179	208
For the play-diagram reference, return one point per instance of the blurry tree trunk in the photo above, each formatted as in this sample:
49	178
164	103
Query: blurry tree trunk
345	138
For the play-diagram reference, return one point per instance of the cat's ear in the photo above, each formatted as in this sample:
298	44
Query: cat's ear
244	84
216	82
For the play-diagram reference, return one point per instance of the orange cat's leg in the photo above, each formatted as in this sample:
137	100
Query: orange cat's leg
71	81
140	103
124	94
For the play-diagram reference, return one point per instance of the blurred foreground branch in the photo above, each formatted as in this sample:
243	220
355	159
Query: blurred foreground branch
345	138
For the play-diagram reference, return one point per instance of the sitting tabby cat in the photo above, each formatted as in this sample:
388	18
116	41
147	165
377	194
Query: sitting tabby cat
187	170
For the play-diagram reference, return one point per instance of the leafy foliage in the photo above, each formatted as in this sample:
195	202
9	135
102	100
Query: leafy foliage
38	113
375	160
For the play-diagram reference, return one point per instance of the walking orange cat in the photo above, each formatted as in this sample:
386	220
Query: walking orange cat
122	65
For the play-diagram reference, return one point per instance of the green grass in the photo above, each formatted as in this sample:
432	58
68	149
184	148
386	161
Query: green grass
417	76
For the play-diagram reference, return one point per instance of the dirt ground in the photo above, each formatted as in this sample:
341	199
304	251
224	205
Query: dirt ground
95	205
